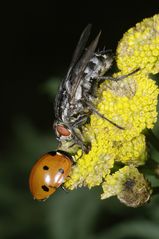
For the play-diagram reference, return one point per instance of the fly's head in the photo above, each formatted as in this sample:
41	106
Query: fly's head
62	131
70	138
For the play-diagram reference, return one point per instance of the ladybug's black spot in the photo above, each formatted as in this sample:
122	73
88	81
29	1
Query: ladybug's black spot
45	188
65	154
45	167
52	153
61	170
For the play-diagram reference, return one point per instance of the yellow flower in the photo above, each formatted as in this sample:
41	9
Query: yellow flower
133	152
91	168
130	103
129	185
139	47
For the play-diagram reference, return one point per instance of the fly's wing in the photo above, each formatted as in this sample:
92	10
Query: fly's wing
77	53
78	71
79	48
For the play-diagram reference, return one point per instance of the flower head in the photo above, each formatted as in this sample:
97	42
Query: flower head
91	168
133	152
129	185
129	101
139	47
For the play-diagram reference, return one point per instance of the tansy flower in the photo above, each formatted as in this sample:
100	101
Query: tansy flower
131	104
139	47
133	152
129	185
94	166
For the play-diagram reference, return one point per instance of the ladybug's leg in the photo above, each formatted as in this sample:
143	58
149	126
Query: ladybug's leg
63	187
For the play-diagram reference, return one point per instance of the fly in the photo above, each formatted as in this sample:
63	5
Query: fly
74	100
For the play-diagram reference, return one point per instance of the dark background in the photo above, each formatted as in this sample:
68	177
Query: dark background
39	39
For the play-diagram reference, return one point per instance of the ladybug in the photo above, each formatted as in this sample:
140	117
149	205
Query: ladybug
49	173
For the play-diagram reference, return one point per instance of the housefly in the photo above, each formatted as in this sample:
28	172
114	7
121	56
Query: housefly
74	100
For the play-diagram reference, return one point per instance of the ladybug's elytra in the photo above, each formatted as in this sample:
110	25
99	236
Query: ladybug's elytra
48	173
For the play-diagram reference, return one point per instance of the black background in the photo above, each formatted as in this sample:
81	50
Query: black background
39	38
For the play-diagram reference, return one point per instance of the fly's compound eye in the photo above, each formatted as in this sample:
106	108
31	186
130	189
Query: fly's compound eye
48	173
61	130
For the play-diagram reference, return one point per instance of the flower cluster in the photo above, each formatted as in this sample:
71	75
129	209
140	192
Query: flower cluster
130	103
139	47
129	185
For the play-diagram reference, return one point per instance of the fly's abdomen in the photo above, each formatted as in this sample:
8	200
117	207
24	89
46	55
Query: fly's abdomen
98	65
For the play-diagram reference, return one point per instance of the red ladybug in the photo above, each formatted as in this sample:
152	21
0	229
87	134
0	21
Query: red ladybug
48	173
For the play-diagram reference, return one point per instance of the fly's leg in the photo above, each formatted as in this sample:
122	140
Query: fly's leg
78	137
81	121
78	140
92	107
94	110
117	78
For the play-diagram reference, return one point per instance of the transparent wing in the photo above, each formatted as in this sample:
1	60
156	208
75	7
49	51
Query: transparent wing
77	53
79	48
78	70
